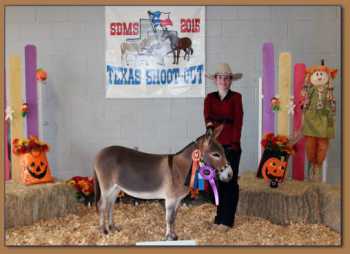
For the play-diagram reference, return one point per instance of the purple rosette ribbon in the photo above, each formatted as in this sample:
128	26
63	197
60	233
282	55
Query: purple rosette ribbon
208	173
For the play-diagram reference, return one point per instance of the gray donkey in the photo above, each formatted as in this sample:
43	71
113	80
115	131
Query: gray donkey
152	176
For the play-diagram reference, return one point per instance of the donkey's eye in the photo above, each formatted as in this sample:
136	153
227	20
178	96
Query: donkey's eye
216	155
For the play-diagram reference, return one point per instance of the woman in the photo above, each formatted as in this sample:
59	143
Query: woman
225	107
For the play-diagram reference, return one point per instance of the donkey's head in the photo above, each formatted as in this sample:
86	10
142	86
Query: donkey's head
213	154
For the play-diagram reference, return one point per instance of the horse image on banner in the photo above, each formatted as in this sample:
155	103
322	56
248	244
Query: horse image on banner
135	49
177	44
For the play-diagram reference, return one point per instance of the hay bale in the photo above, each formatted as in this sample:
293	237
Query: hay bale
330	206
291	202
25	205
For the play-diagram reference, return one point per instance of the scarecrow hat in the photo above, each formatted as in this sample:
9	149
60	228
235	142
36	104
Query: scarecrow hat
225	69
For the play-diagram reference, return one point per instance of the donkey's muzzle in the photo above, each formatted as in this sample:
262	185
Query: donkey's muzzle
226	173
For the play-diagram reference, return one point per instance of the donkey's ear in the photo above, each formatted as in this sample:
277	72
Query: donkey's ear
209	132
218	130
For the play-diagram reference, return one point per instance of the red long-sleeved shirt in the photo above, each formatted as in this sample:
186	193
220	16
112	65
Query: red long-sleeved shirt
228	111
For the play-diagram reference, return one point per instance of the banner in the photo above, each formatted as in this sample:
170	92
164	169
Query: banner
155	51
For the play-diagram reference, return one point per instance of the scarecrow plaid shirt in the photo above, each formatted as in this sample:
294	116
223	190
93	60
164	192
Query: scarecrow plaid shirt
228	111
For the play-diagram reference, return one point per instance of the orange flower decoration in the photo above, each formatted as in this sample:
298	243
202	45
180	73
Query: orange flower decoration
28	145
278	142
84	185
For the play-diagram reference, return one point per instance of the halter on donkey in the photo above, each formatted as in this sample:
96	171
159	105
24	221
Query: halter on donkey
153	176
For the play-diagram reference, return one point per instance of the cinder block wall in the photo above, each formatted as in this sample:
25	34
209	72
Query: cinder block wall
78	120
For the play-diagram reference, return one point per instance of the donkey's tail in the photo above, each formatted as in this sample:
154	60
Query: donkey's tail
97	190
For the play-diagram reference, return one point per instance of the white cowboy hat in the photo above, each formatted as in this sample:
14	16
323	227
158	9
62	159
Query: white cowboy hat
224	69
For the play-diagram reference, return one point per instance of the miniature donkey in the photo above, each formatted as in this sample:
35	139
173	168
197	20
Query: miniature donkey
153	176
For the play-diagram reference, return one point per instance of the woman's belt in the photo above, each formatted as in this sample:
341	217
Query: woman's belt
223	120
233	146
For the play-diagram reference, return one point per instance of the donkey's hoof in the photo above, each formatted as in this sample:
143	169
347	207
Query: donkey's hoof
104	231
171	237
114	227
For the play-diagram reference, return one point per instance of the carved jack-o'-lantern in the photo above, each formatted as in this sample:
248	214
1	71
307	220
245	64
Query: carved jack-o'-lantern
274	171
35	168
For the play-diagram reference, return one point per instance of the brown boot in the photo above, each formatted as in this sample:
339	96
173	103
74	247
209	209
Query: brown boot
317	177
310	172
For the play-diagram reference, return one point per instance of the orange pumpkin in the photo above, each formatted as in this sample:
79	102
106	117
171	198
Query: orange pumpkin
35	168
274	169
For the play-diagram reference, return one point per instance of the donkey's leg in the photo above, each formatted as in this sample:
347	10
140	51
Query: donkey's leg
171	206
110	206
102	204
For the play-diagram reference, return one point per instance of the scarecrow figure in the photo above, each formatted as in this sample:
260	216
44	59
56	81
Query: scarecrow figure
318	116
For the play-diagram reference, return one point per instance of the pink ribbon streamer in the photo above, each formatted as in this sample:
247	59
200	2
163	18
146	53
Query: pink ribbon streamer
208	173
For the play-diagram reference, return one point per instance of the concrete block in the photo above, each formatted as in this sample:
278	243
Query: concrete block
20	15
221	12
50	14
29	33
214	28
254	12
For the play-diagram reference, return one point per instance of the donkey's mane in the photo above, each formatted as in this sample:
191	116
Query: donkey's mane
183	149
